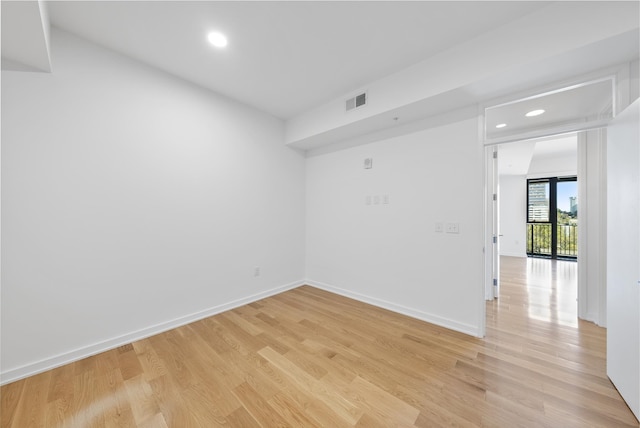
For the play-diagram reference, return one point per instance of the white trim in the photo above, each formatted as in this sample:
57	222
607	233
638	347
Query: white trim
583	229
487	219
573	173
592	227
486	290
410	312
607	73
96	348
559	90
549	132
602	230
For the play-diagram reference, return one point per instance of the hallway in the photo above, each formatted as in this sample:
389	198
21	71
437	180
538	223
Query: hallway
545	290
535	332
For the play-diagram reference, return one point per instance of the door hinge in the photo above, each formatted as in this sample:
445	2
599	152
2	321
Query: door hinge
495	282
495	196
495	155
495	239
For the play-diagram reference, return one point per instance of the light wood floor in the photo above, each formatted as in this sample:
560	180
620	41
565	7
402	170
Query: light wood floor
310	358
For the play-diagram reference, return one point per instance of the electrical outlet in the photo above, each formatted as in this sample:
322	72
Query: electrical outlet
385	199
376	200
439	227
453	228
367	200
256	271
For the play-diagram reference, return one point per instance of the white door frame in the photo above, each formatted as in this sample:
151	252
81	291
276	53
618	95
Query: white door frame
591	227
491	254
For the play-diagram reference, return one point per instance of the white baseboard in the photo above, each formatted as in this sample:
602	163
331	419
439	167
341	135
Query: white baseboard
594	318
87	351
413	313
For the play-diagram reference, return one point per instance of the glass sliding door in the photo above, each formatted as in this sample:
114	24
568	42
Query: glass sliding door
552	217
539	239
567	217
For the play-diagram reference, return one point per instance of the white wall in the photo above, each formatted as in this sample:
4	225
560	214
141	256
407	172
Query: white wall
389	254
513	215
131	202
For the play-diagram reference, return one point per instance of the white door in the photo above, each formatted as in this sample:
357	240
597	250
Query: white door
623	255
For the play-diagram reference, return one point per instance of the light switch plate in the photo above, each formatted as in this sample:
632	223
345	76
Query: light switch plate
453	228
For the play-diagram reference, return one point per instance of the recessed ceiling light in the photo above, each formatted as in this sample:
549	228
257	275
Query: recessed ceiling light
217	39
501	125
533	113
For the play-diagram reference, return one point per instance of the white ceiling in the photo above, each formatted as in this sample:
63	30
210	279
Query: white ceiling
516	158
24	37
556	147
283	57
289	57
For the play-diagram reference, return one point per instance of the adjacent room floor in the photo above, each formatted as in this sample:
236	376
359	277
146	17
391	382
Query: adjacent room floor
311	358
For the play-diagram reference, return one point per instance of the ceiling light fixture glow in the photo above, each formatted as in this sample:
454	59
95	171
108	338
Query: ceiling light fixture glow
501	125
533	113
217	39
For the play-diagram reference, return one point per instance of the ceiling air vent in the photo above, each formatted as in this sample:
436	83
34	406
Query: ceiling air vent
356	102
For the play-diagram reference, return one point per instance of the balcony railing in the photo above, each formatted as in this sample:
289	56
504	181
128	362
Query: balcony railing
539	240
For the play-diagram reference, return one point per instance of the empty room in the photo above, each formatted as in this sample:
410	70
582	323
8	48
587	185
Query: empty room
260	214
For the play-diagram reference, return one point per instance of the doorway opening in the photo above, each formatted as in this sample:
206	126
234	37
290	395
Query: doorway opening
581	242
579	112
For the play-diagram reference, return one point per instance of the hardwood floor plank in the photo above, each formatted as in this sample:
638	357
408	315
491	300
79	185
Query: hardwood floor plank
155	422
318	389
83	409
129	364
316	410
169	396
143	404
309	358
379	403
436	417
152	365
116	406
290	412
257	407
10	399
241	418
206	405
